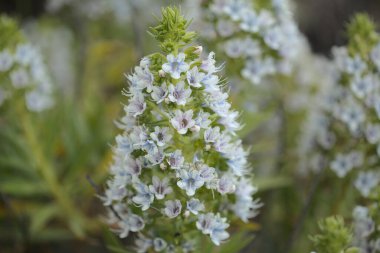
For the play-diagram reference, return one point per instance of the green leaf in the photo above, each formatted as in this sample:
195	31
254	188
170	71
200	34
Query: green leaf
51	234
23	187
113	243
271	183
236	243
41	216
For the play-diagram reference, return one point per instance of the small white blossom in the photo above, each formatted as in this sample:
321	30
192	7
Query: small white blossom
194	77
372	133
195	206
341	165
159	244
366	181
176	159
226	185
159	93
160	188
211	135
179	94
20	78
161	136
144	197
133	166
136	106
182	121
175	65
362	86
6	60
172	208
355	65
190	181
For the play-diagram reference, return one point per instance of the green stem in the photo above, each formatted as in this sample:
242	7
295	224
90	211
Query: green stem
47	172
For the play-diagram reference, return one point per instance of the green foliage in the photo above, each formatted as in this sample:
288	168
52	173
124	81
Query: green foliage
10	34
171	31
334	237
362	35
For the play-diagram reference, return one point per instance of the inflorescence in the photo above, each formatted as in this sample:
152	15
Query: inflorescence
179	170
22	69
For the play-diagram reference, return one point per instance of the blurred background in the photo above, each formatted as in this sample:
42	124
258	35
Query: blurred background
87	46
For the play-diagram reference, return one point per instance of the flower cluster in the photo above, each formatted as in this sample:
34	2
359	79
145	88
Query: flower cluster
345	132
22	69
179	170
264	37
347	125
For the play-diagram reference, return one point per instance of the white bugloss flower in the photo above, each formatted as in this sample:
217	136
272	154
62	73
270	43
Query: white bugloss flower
175	65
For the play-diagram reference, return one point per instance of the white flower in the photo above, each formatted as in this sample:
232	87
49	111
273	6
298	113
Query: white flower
211	135
207	173
250	21
159	93
372	133
156	157
255	69
159	244
362	86
24	54
203	120
172	208
341	165
190	181
195	206
226	185
355	65
209	64
214	225
234	48
274	37
176	159
229	120
360	212
219	233
226	28
20	78
234	8
136	105
366	181
194	77
161	136
175	65
245	206
6	60
353	115
133	166
205	223
251	47
182	121
113	193
179	94
136	223
141	79
144	197
160	188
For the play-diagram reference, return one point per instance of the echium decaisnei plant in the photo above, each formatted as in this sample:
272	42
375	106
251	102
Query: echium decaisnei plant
334	237
346	136
22	70
259	38
179	171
